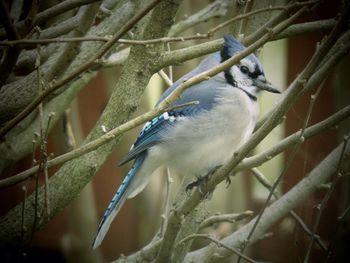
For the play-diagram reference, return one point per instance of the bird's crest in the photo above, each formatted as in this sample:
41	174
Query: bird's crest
231	47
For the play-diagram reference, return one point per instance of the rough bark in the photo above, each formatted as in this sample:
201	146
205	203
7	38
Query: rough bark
67	183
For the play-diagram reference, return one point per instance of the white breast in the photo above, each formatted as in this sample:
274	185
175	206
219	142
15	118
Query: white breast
196	145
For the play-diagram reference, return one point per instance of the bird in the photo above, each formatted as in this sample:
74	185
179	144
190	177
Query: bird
195	139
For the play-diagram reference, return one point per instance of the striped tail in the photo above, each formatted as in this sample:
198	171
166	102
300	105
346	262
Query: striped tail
117	202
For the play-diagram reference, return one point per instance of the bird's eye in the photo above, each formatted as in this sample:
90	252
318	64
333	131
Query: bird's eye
244	69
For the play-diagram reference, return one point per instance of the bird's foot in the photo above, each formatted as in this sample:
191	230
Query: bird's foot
201	181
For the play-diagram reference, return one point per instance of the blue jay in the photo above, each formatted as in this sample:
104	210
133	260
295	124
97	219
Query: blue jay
193	140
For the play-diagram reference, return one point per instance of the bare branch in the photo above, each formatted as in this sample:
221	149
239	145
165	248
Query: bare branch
285	168
189	204
320	207
218	243
216	9
247	163
278	209
10	55
305	28
230	218
319	127
121	104
181	55
51	12
56	85
263	180
59	9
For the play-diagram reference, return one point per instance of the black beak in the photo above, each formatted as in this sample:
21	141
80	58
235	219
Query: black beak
263	84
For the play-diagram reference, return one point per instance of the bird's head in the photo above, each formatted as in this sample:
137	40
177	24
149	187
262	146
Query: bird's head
248	74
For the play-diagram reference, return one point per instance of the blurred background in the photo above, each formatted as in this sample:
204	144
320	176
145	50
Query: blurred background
68	237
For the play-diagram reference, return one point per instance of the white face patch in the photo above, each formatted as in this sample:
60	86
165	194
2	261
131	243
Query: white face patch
240	78
249	64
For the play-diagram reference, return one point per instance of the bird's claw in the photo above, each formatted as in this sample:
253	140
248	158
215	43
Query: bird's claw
197	183
201	181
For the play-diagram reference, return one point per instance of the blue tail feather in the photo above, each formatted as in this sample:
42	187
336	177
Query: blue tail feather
117	201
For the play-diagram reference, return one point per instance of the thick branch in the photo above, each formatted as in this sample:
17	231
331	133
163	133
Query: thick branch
318	128
67	183
11	54
188	205
109	26
75	73
18	94
277	210
17	146
50	13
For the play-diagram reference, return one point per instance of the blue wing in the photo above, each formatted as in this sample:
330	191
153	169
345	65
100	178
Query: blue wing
152	132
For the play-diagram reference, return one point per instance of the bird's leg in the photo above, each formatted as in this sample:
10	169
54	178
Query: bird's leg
201	181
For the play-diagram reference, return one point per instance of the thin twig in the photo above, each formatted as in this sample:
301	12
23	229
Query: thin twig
10	29
59	8
210	32
165	77
164	104
23	230
166	208
52	12
311	131
229	218
296	149
75	73
293	30
263	180
175	217
10	55
255	12
218	243
34	42
247	163
277	210
216	9
340	220
320	207
93	145
170	66
305	80
129	125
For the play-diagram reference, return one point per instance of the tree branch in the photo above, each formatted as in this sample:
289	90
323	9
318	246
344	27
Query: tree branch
276	211
67	183
11	54
75	73
263	180
319	127
12	149
175	218
50	13
216	9
229	218
219	244
246	164
184	54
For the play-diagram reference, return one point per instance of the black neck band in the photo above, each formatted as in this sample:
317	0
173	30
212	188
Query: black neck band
232	82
